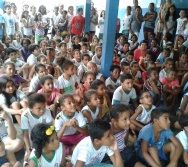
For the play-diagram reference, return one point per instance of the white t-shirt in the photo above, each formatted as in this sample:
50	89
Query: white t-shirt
44	161
93	26
120	96
96	59
61	119
145	115
88	52
94	114
55	18
19	96
182	137
81	70
10	21
84	151
126	22
185	32
101	26
138	75
32	59
18	63
112	83
28	120
76	63
180	23
162	74
28	30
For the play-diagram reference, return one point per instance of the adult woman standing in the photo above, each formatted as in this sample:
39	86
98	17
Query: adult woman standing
93	22
45	19
162	13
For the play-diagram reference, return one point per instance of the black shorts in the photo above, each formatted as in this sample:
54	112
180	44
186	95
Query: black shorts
148	29
93	32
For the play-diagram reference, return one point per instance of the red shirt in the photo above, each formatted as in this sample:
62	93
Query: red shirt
138	54
77	25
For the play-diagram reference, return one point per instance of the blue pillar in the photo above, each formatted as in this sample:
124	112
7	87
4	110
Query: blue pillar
1	5
87	15
109	35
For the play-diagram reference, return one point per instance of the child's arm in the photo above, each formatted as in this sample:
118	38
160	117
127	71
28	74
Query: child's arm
185	157
135	104
111	89
27	144
12	159
147	156
79	163
10	110
116	157
135	115
87	115
63	162
154	87
177	152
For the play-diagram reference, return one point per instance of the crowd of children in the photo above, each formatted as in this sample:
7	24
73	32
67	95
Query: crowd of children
70	114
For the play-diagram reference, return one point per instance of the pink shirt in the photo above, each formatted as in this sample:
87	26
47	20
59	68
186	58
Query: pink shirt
139	54
170	84
51	98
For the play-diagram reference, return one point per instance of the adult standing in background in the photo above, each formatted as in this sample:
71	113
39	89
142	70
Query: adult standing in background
135	4
77	24
55	19
93	22
70	15
61	8
45	19
162	13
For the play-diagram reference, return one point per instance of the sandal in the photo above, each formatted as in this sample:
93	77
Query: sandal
25	164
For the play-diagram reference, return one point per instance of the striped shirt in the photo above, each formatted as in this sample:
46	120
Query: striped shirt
148	87
120	138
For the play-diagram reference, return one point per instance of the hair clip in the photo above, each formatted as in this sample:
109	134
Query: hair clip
50	130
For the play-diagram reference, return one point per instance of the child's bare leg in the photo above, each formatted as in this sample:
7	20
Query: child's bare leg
170	148
14	145
16	106
184	80
25	70
17	164
7	165
139	164
134	127
154	154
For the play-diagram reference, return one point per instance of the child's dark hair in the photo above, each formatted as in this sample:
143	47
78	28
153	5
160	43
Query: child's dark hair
116	110
79	9
168	13
44	78
51	41
142	93
134	35
171	70
3	81
86	74
97	128
11	50
25	39
130	53
58	40
32	47
36	16
113	67
149	70
102	12
63	11
168	36
64	63
62	43
124	64
133	63
126	43
85	55
97	48
65	35
149	53
168	59
88	94
34	98
40	138
75	50
123	77
40	57
8	64
7	6
183	120
157	112
155	39
166	49
38	66
143	41
85	44
96	83
183	53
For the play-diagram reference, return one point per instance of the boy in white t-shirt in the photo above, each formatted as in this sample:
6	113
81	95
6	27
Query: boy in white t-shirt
183	136
97	57
11	23
92	149
181	22
32	59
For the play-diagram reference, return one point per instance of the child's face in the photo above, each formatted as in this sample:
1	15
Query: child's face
7	40
123	121
48	85
43	60
76	40
85	60
95	42
94	100
169	65
84	49
89	79
128	10
13	56
127	84
101	90
57	44
25	44
38	109
183	58
129	58
10	87
126	47
151	7
71	10
17	36
69	105
8	10
135	67
36	51
63	48
107	139
33	9
43	46
163	121
41	72
53	45
153	43
2	148
10	70
146	99
172	10
70	70
154	75
122	41
53	143
64	14
75	71
180	41
92	67
67	38
182	13
166	54
77	55
56	9
99	52
126	69
171	76
133	38
148	57
144	46
115	73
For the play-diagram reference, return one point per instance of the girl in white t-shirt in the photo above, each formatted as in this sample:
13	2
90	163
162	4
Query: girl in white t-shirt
92	110
70	125
12	100
17	42
101	25
48	151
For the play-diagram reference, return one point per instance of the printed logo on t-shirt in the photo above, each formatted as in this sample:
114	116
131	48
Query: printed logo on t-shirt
11	23
78	25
